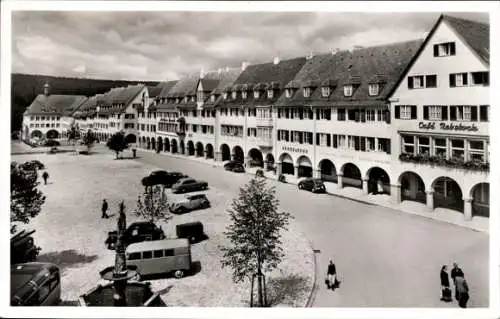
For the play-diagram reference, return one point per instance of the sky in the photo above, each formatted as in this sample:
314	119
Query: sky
160	46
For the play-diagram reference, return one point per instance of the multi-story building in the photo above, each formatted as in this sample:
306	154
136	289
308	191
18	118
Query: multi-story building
440	119
44	117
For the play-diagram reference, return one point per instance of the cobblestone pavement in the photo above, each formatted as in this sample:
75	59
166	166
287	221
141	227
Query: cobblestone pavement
385	258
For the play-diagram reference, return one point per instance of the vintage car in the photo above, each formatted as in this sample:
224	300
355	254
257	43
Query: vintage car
162	178
314	185
188	203
185	185
135	233
192	231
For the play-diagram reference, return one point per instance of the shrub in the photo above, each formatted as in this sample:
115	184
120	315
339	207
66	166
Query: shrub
259	173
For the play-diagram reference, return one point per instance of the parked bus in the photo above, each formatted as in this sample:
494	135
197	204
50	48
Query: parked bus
35	284
160	256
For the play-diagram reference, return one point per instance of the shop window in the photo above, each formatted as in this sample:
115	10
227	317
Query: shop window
457	149
476	150
424	145
225	95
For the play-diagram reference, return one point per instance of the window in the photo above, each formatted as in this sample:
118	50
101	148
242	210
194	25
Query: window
370	115
341	115
32	125
384	145
270	94
212	98
406	112
168	252
408	144
424	145
458	79
225	95
256	94
431	81
435	113
244	95
463	113
483	113
457	149
307	92
373	89
134	256
288	93
234	95
325	91
480	78
440	147
416	82
444	49
347	90
476	150
158	253
58	118
370	144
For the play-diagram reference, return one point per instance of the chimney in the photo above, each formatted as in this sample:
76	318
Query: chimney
202	73
276	60
310	55
46	89
244	65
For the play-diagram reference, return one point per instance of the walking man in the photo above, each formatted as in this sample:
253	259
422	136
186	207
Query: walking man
331	275
45	176
104	209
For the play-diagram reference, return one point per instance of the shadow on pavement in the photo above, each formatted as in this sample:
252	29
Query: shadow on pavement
283	289
66	258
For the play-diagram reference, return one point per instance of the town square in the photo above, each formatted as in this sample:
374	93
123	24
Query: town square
327	171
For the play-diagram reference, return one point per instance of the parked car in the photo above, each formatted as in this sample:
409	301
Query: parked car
162	178
185	185
229	165
23	248
137	232
314	185
192	231
190	202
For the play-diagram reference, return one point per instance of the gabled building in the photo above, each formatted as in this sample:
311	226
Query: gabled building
43	119
440	120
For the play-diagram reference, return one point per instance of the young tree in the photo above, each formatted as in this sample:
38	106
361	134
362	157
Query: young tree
73	135
25	199
89	140
154	206
255	235
117	143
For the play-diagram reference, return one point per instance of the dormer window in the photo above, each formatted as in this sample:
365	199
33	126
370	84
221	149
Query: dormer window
212	98
270	94
256	94
234	94
325	91
244	95
225	95
373	89
178	100
348	90
307	92
288	93
185	99
193	99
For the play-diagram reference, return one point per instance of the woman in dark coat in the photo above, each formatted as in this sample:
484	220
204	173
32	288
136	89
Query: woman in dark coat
445	285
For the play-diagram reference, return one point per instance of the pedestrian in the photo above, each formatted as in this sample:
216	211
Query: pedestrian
456	272
331	276
104	209
45	176
445	285
463	291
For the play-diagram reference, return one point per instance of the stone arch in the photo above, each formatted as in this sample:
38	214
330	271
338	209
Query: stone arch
182	147
238	154
379	181
412	187
174	146
52	134
351	176
287	166
209	150
269	161
447	194
256	158
199	149
480	195
159	147
36	133
153	143
304	166
131	138
190	147
166	145
328	171
225	152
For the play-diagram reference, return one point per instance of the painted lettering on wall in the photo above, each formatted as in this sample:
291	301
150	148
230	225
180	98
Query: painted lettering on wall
448	126
295	150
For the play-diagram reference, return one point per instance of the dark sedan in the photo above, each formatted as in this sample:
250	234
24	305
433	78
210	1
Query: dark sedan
314	185
162	178
234	166
135	233
185	185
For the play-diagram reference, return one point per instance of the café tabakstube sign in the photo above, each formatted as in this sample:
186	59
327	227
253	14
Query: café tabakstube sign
448	126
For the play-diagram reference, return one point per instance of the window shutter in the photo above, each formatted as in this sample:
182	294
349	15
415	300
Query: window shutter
279	135
444	113
473	113
291	136
388	150
396	111
452	80
436	50
363	116
329	114
483	110
452	48
248	131
413	112
328	140
356	143
334	140
279	113
363	144
317	114
287	135
311	114
426	112
301	137
465	78
356	116
387	116
317	138
310	136
410	82
453	113
301	114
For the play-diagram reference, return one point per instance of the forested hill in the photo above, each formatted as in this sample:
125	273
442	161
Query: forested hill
25	87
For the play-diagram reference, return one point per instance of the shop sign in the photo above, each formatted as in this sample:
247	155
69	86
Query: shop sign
447	126
294	149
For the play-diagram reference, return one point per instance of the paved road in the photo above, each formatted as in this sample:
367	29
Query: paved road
385	258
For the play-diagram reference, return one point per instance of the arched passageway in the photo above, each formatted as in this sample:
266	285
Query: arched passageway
447	194
153	143
256	158
351	176
148	141
209	150
199	149
190	147
480	195
182	148
159	147
131	138
238	154
36	133
270	162
304	167
412	187
286	164
52	134
143	139
174	146
378	181
166	145
226	153
328	171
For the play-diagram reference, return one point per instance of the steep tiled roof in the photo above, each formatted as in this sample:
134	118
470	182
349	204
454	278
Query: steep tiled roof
226	78
180	89
117	96
261	76
165	88
381	64
476	34
54	103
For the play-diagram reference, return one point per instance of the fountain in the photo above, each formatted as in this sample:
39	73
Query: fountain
119	292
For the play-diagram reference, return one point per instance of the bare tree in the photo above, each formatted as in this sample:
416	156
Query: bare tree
154	205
